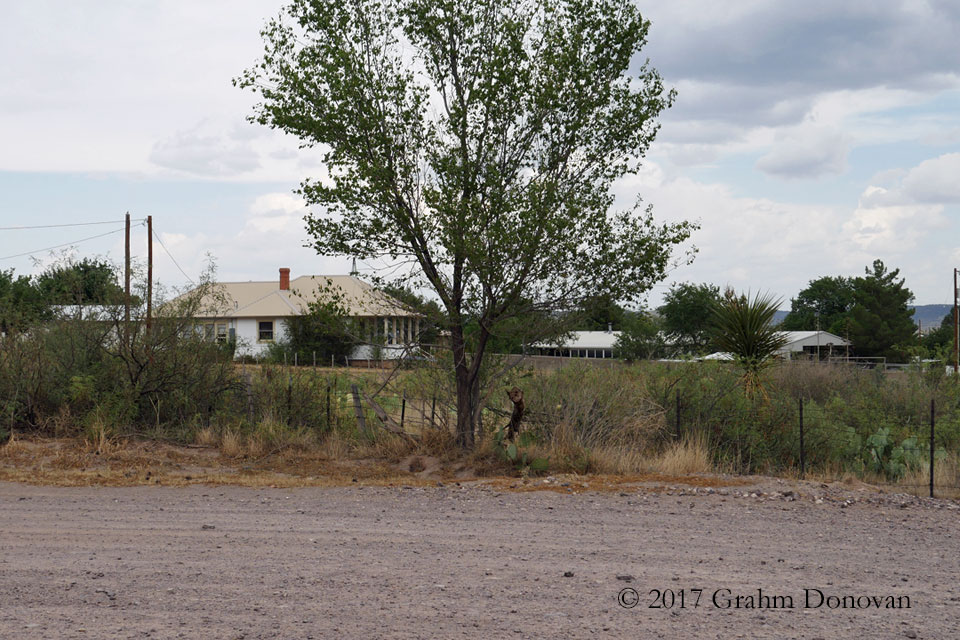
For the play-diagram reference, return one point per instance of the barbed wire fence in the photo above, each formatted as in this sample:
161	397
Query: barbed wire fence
916	456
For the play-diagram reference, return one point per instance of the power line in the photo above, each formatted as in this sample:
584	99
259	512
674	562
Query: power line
69	224
60	246
167	251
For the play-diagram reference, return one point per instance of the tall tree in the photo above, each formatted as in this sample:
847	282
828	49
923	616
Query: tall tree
940	338
824	304
688	319
88	281
881	325
478	140
640	337
600	313
20	302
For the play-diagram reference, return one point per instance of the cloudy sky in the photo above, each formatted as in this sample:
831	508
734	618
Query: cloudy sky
808	138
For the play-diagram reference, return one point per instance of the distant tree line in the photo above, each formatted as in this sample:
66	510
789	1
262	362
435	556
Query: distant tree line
870	310
28	300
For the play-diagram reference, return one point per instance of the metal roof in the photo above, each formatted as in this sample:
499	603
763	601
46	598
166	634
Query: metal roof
584	340
268	300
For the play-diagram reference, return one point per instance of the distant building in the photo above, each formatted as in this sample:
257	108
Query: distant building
812	344
580	344
801	345
253	313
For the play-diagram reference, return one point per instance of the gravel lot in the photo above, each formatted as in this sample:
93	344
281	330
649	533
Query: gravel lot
471	562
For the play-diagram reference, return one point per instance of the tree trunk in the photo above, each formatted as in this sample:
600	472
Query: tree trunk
465	404
467	389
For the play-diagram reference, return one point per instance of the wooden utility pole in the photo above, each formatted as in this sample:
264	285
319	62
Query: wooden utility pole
126	283
149	271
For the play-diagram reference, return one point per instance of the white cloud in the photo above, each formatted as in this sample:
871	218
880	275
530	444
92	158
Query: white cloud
932	182
806	152
887	230
935	180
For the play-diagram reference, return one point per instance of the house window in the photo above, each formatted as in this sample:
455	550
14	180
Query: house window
215	331
265	331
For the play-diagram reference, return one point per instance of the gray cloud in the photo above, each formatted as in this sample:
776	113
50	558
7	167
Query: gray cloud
819	44
806	153
205	155
765	64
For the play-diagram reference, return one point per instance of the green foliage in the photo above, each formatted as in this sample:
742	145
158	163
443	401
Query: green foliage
825	304
579	409
69	373
880	324
21	303
744	328
882	454
88	281
500	197
26	302
600	313
640	338
324	331
940	340
687	314
513	452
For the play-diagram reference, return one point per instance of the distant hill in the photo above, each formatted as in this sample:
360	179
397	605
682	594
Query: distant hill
930	315
779	316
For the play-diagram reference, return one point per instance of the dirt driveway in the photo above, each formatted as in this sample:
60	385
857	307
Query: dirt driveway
474	562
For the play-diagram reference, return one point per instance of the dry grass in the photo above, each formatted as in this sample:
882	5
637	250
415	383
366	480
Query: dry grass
231	444
690	455
946	479
62	462
208	437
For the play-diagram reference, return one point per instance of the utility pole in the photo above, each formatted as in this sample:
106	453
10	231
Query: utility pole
126	283
149	271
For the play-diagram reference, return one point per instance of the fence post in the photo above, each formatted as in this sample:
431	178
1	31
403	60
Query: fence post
403	408
358	409
289	398
678	414
803	453
329	425
932	413
433	410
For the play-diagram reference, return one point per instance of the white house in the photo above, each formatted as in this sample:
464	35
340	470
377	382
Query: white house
254	312
812	344
800	345
580	344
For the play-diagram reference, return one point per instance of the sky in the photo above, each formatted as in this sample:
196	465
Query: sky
808	138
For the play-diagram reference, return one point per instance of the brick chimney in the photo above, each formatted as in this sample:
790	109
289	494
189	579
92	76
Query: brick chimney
284	279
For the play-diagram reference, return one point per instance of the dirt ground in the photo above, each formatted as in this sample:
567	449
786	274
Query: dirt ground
474	561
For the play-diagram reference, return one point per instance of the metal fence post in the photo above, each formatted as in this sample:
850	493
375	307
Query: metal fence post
803	456
932	413
329	425
678	414
403	408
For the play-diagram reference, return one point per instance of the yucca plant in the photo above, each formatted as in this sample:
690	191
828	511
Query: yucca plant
744	328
